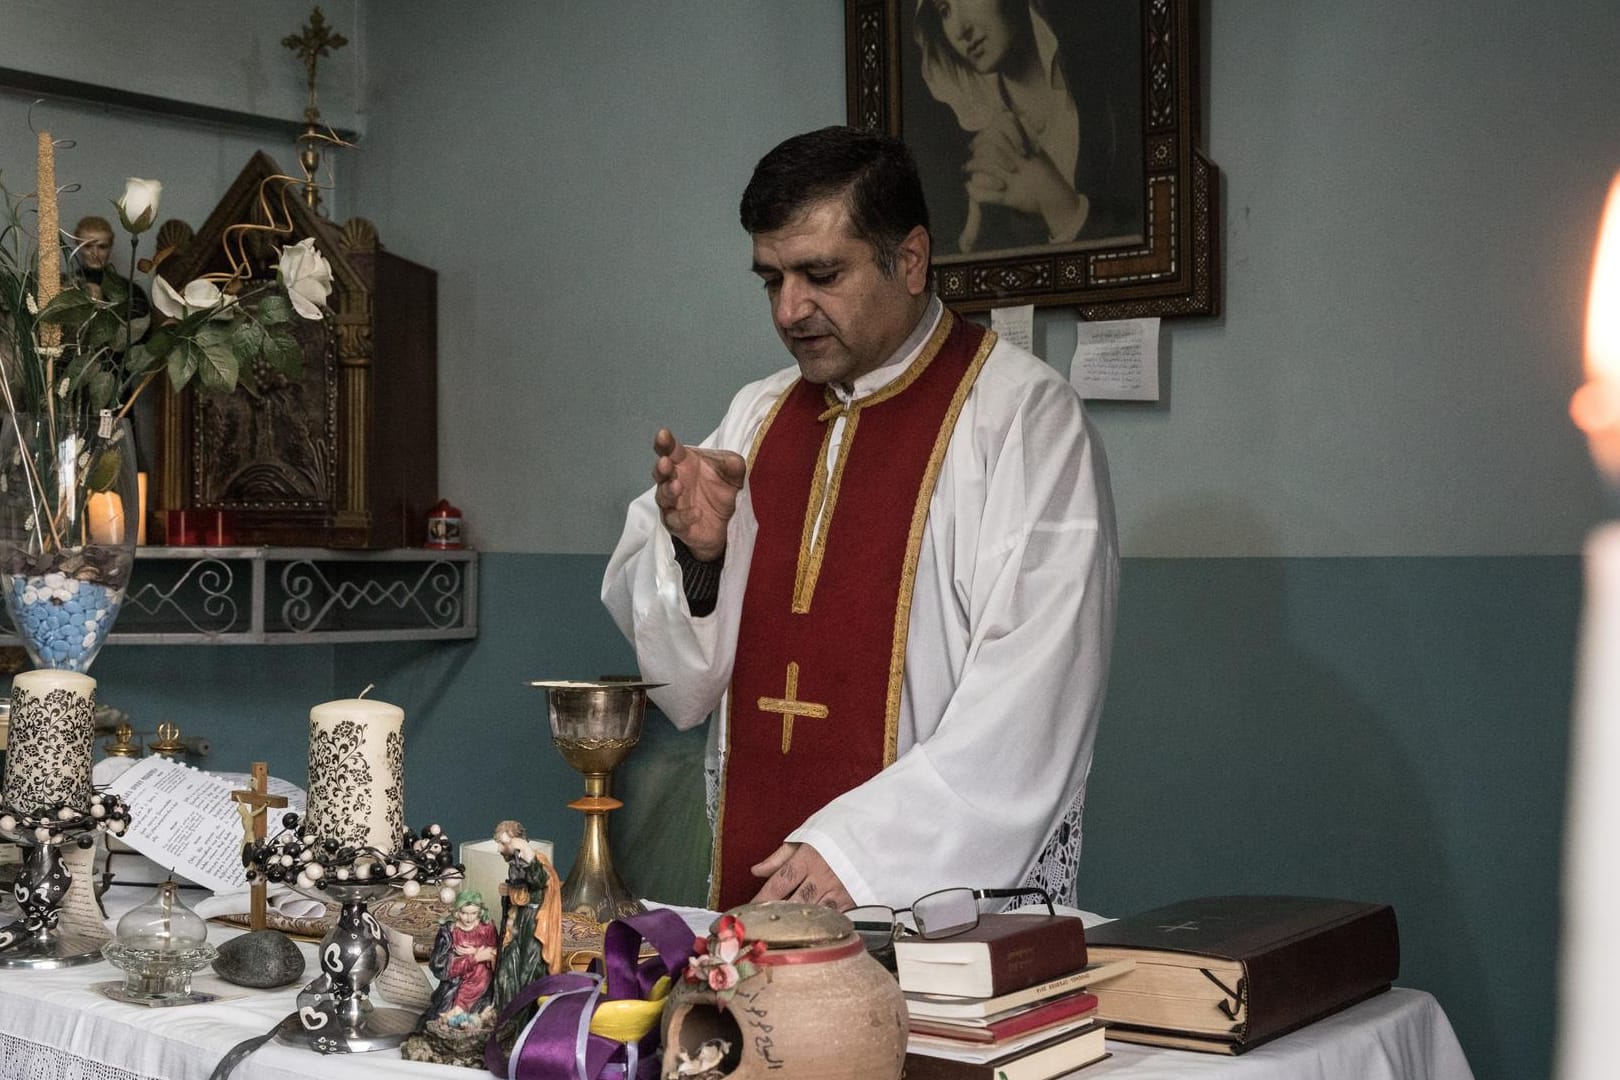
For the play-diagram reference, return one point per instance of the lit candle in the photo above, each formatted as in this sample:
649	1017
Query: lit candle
1588	996
357	773
106	513
53	720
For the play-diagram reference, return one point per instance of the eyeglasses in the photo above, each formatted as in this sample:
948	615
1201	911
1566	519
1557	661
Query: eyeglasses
941	914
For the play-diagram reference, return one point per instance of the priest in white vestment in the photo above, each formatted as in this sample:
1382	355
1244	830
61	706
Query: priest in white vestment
1009	586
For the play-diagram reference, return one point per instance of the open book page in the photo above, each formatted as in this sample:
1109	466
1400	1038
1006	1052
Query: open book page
185	820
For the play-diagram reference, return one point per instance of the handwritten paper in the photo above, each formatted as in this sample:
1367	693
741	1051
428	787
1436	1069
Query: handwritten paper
184	820
1118	359
81	913
403	982
1016	325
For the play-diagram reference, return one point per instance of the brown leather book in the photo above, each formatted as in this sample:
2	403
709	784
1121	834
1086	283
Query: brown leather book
1227	973
1005	952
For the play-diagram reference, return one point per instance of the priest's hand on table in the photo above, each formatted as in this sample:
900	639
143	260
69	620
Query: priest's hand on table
696	491
797	872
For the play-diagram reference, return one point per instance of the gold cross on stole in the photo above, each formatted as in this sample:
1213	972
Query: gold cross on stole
254	803
790	706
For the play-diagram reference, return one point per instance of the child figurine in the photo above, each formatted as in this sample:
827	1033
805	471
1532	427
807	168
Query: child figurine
464	961
531	938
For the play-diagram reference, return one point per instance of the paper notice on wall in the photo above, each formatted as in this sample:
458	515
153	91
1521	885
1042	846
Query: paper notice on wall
1117	359
185	821
1015	324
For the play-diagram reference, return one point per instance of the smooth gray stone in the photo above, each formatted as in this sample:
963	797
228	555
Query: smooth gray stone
261	959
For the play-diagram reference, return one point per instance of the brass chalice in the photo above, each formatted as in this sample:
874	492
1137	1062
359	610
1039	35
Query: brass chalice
595	725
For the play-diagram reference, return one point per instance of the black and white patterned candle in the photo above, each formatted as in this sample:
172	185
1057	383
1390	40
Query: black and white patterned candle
357	773
53	721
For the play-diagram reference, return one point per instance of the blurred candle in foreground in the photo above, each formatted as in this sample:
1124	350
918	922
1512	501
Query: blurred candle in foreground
106	513
1590	935
1596	405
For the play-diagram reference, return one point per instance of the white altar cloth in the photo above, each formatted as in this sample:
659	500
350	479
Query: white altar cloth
54	1027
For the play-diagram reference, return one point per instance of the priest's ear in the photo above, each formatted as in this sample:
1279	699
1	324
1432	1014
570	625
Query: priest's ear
911	261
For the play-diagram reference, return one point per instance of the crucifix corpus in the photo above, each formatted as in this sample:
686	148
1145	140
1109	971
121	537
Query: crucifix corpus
253	806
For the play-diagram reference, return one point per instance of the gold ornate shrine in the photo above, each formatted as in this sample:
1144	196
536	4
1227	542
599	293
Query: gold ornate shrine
346	456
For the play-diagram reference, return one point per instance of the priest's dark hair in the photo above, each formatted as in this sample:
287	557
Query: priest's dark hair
873	171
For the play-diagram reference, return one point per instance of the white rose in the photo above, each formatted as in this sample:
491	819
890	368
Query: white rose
307	277
139	206
200	295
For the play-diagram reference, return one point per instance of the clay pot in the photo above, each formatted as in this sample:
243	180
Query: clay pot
818	1007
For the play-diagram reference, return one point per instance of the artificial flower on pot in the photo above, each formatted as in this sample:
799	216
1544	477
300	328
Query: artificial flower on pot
75	360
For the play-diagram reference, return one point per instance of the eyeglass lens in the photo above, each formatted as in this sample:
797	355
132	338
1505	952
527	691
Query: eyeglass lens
947	912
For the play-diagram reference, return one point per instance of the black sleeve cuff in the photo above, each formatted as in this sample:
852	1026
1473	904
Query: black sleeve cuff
699	580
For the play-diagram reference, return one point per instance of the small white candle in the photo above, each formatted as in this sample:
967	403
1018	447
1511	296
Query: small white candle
53	716
106	513
357	773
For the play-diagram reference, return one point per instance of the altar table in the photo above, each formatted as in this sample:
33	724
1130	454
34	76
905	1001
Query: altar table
53	1026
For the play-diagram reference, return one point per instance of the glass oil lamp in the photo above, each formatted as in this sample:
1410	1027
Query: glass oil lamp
158	947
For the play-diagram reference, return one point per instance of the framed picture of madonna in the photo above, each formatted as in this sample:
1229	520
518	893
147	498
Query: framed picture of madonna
1058	146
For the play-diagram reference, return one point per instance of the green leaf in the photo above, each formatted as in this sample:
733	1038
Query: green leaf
217	368
184	360
284	354
275	309
100	329
159	344
101	388
114	289
68	308
248	341
103	473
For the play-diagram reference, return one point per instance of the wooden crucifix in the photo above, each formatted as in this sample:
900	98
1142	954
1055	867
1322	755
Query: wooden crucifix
255	804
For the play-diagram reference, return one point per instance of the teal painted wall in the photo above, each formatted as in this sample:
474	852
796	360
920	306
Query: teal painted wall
1386	729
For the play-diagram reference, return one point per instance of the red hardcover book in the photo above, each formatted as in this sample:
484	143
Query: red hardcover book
1018	1022
1005	952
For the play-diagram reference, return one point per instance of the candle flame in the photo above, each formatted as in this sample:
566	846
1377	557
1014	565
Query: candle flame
1595	408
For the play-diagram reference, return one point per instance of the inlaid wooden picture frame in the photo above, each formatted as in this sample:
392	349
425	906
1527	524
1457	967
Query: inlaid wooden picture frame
1058	146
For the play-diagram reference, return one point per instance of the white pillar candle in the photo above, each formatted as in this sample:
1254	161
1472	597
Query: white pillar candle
53	720
106	513
357	773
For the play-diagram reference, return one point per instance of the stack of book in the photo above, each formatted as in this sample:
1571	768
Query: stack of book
1224	974
1007	1000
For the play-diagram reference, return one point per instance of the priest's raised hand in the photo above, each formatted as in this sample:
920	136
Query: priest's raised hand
696	492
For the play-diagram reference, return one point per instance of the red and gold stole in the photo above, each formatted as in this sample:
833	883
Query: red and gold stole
821	648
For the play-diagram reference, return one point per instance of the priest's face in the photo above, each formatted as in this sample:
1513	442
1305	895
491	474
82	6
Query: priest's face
835	309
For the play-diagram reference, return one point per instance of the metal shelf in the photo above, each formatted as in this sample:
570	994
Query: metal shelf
295	596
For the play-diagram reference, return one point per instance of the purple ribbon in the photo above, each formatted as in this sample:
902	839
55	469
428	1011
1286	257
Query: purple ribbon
558	1044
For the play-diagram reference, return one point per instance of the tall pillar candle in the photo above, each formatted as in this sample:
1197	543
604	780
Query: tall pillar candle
357	773
53	722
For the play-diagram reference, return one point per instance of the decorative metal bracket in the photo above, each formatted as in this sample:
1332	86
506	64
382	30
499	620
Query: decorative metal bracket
277	595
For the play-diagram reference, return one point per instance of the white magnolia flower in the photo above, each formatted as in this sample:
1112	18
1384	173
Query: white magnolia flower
200	295
139	206
307	277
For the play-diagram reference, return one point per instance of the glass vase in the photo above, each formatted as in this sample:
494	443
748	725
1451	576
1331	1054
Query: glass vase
69	509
